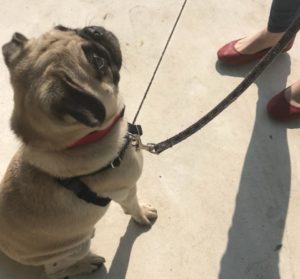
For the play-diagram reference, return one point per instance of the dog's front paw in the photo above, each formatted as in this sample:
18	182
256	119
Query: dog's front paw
147	215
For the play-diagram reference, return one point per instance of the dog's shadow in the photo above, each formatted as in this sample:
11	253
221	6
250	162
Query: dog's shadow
9	269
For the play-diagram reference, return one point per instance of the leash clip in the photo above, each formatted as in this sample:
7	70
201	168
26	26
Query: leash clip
135	132
138	144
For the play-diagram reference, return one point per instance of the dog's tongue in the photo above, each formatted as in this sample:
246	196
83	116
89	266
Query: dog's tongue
97	135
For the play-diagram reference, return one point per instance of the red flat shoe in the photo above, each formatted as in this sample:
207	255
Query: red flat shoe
230	55
280	109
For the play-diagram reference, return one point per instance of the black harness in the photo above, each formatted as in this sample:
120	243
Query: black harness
81	190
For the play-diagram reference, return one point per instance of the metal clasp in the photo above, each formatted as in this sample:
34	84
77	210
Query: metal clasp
116	162
138	144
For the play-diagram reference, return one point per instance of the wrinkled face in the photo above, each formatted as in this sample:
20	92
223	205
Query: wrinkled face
64	81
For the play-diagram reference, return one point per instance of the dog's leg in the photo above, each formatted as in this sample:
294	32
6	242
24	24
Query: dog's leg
82	261
142	214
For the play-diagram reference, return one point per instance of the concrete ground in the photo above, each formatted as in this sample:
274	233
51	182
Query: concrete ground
228	197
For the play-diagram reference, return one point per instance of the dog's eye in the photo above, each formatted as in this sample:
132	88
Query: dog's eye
97	58
99	62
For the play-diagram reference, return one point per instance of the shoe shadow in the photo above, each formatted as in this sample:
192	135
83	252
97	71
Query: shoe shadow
255	236
10	269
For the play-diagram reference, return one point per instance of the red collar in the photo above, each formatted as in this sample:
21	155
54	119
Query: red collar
97	135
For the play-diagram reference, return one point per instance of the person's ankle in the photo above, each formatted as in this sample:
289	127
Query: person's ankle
258	42
292	94
273	38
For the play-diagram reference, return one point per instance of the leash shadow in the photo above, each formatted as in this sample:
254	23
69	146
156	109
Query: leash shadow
255	236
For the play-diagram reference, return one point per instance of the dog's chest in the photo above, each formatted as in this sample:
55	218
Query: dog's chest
118	179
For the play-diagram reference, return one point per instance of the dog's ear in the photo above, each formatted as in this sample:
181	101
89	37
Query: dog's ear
81	105
13	48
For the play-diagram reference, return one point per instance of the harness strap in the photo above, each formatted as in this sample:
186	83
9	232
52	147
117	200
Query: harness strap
81	190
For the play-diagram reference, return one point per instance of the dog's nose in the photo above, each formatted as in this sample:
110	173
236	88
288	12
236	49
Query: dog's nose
95	31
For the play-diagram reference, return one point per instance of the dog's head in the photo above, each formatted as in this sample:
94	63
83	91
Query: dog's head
65	83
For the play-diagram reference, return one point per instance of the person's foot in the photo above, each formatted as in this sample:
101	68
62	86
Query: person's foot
285	105
292	94
250	48
257	42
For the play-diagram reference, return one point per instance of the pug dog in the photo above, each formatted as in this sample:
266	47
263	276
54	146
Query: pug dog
65	85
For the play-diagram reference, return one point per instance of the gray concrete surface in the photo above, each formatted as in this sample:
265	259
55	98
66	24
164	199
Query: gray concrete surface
229	196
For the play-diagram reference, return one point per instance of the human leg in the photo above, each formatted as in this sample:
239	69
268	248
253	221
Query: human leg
282	14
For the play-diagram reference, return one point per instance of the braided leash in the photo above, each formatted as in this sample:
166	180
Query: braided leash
238	91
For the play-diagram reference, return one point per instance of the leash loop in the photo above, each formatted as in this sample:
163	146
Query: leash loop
231	97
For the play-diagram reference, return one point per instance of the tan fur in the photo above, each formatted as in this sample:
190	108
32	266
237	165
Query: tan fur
41	222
